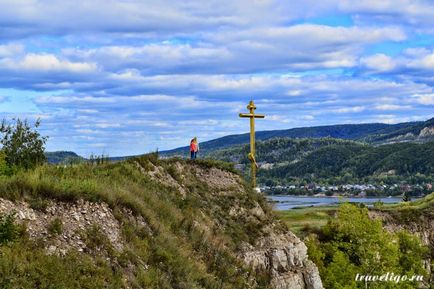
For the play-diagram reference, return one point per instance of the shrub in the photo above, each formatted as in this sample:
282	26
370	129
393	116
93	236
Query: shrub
9	231
55	227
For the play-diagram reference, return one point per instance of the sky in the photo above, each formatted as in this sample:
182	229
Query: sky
124	77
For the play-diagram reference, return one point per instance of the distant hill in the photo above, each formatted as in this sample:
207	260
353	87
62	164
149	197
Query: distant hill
418	132
356	162
63	157
371	133
58	157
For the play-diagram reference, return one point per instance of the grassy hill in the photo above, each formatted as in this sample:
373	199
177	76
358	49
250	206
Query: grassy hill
179	225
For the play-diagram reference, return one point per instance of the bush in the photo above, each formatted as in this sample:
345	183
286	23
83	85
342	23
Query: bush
55	227
9	231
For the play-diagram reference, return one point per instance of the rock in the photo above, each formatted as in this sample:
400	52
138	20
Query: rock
284	258
427	132
51	250
74	217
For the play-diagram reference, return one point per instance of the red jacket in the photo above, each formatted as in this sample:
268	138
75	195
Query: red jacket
193	147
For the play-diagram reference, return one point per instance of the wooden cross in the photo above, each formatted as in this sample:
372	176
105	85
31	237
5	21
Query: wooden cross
251	107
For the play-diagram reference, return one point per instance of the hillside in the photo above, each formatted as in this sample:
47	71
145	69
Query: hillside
370	132
356	161
144	223
418	132
334	161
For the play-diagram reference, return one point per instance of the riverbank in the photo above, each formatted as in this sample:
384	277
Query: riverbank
286	202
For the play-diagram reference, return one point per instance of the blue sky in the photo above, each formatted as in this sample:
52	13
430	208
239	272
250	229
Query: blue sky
127	77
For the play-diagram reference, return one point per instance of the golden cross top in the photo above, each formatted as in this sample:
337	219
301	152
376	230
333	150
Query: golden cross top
251	107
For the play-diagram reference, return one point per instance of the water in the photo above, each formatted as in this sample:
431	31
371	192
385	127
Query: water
285	202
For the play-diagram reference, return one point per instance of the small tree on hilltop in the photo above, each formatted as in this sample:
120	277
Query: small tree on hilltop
23	145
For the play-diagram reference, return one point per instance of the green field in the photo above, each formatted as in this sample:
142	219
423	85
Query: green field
301	220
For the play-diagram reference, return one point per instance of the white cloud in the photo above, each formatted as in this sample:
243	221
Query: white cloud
392	107
46	63
349	109
424	99
417	13
9	50
378	62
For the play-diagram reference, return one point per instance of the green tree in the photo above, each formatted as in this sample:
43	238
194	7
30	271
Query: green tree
353	243
4	168
22	144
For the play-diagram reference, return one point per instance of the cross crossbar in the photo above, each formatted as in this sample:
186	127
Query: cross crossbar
252	115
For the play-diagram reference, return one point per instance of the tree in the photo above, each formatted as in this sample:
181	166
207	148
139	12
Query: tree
352	243
23	145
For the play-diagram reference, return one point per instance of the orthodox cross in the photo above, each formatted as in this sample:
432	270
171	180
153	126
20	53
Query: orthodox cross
251	107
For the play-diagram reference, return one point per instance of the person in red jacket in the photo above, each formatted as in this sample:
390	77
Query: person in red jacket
194	148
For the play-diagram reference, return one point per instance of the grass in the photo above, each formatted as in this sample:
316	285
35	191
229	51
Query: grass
302	220
173	251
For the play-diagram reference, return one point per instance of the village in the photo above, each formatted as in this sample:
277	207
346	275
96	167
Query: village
353	190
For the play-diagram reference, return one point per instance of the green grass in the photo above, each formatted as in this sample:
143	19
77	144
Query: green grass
421	204
302	220
177	253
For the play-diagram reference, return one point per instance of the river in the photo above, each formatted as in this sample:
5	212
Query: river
286	202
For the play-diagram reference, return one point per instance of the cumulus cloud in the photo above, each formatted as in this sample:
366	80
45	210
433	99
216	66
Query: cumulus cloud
416	64
46	62
378	62
8	50
245	51
425	99
415	13
152	18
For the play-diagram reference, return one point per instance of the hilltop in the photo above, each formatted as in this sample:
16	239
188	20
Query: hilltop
144	223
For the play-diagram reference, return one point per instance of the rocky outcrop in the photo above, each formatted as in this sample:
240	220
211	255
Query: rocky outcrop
427	132
284	258
278	253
